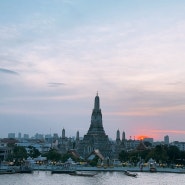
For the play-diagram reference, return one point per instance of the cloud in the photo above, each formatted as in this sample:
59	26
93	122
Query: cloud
55	84
169	131
7	71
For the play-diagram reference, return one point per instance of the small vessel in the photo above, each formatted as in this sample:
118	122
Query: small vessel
67	167
6	169
130	174
68	171
25	169
85	174
7	172
153	169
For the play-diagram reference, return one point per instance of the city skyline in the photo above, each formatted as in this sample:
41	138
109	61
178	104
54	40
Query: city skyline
55	56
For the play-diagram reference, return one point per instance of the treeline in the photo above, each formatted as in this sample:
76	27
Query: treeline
20	154
161	154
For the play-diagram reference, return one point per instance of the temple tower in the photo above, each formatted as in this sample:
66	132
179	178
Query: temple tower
96	126
123	136
95	137
118	137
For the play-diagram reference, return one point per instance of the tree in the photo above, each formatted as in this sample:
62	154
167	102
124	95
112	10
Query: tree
173	153
159	154
147	144
66	156
134	157
182	157
19	154
143	154
33	152
123	156
53	155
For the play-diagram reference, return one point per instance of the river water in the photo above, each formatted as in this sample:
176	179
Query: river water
102	178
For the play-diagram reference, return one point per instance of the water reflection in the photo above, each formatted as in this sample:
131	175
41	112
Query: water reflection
102	178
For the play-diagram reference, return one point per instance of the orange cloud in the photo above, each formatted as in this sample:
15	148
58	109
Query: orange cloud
169	131
141	137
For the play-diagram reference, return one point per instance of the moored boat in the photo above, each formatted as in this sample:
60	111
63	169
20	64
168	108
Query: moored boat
25	169
67	171
7	171
85	174
130	174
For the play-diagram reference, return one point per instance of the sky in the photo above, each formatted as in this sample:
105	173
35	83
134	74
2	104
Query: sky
55	56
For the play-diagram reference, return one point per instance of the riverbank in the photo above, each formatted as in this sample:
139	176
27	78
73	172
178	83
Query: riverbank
111	169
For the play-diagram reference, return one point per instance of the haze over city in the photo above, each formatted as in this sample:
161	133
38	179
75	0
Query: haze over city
55	56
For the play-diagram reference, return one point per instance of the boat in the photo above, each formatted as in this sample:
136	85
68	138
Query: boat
130	174
25	169
7	171
60	171
85	174
68	167
153	169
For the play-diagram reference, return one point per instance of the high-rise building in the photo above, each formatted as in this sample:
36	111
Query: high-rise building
55	136
26	136
95	137
19	135
63	133
77	136
166	140
11	135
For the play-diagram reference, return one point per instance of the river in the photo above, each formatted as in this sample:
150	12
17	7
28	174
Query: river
102	178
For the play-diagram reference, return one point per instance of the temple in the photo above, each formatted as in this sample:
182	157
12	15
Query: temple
95	139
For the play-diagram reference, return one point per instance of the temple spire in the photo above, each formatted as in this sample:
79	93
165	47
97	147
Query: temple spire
96	118
97	102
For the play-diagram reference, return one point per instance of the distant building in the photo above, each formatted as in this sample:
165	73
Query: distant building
150	140
179	145
55	136
26	136
48	138
131	144
19	135
11	135
39	136
63	133
166	140
5	150
77	137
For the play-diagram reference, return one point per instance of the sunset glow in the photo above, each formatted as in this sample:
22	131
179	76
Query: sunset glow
141	137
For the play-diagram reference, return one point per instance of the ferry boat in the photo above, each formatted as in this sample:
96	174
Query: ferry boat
9	171
85	174
130	174
5	169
